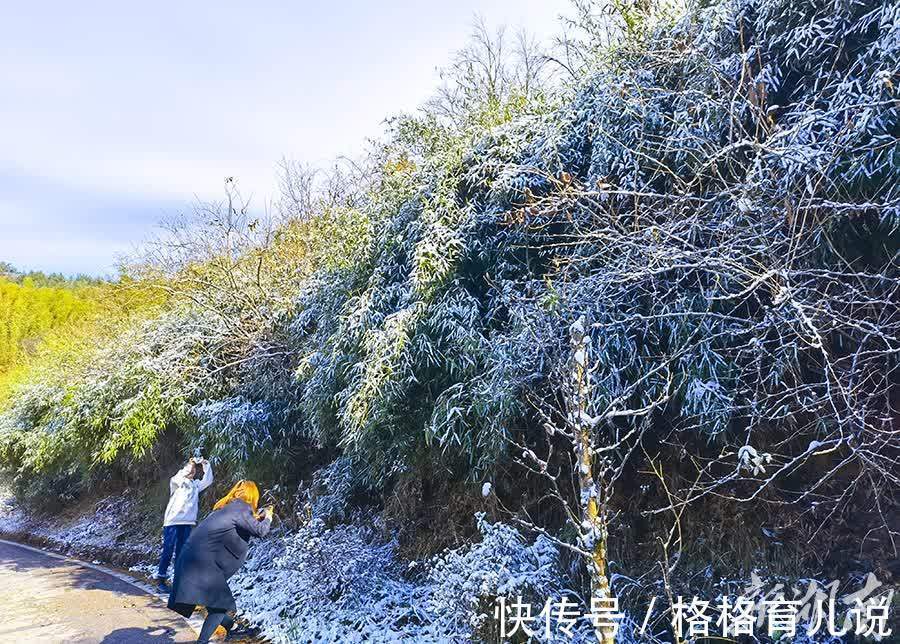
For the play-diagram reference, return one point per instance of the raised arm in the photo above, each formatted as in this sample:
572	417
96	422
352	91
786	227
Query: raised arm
246	520
207	479
179	477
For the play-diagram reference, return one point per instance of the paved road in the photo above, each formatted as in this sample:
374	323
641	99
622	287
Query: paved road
48	600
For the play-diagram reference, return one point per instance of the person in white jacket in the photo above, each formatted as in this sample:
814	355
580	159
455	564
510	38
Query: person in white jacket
181	512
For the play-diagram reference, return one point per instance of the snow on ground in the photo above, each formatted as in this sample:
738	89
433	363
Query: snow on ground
95	534
336	578
343	583
11	521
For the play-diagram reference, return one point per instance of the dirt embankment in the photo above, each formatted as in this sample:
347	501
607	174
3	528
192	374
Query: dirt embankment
113	529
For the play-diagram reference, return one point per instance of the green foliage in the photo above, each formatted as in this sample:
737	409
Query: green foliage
30	307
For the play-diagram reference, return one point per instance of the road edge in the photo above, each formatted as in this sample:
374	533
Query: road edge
195	623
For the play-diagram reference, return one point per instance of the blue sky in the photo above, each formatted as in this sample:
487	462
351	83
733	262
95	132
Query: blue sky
114	115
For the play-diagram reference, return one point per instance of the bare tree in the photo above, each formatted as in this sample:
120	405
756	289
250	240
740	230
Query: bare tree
488	73
297	185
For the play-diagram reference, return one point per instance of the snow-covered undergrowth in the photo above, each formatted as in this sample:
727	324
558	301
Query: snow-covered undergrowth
329	584
464	582
344	583
11	521
338	578
335	579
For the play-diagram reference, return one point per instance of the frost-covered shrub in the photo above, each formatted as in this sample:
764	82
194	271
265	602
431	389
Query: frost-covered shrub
344	584
338	584
236	427
327	498
466	582
116	407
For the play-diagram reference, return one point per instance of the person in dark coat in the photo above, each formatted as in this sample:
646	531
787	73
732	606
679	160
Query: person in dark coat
216	549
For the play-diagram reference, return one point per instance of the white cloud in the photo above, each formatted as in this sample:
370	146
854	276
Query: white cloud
161	101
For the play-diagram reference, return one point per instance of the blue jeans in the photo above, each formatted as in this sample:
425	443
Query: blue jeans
174	537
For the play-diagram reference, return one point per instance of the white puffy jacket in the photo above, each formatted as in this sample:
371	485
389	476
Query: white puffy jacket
184	495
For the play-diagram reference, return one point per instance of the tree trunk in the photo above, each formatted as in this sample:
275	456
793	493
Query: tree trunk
593	528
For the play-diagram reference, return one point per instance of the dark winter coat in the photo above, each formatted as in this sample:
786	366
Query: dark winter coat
215	551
